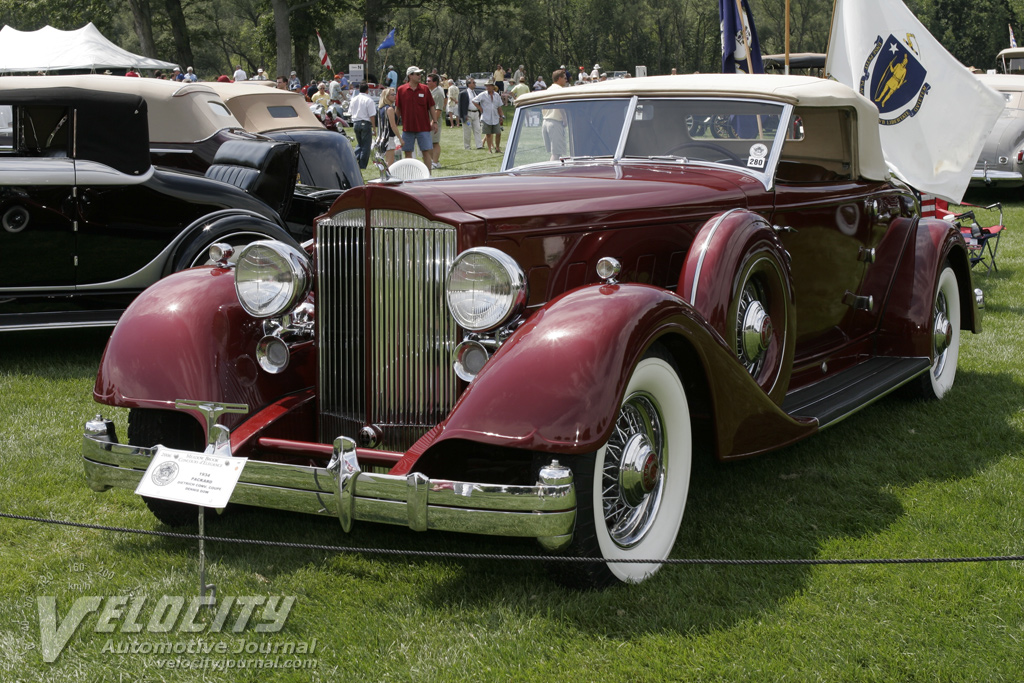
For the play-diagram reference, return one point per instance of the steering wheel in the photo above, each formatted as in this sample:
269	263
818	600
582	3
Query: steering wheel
706	145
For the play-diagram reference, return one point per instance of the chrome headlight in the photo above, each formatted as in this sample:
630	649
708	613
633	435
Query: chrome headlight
271	278
485	287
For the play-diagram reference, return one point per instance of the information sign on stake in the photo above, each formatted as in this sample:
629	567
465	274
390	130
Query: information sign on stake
190	477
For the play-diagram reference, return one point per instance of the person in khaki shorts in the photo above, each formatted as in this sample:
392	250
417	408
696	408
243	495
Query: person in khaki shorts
434	83
553	126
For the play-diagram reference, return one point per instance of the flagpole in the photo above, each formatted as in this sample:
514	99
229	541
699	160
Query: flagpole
832	25
743	32
750	64
787	37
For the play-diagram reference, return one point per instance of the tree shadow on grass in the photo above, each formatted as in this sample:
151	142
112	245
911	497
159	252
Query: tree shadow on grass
786	505
64	354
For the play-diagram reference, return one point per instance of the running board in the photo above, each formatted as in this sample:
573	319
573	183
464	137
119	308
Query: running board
843	394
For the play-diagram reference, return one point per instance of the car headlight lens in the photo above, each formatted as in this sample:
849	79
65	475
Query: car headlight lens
485	287
271	278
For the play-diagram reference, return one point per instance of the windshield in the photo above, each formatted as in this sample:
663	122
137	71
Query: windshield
740	133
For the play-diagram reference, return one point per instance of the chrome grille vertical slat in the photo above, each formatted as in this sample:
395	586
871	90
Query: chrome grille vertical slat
407	337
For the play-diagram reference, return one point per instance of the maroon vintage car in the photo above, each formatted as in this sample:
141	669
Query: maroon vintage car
541	352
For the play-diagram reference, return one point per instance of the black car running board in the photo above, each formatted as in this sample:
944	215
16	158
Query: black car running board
846	392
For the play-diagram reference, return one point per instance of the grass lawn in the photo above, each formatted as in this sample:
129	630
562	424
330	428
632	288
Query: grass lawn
899	479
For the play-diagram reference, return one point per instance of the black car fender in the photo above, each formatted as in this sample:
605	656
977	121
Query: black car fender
235	226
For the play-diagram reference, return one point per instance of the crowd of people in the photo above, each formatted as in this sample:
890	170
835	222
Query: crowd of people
408	115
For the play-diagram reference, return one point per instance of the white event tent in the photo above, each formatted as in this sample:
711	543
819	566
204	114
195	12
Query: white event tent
50	49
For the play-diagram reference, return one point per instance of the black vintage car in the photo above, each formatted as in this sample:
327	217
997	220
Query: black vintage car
87	222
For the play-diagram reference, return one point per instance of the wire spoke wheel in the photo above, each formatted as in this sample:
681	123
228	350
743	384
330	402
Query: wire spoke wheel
631	493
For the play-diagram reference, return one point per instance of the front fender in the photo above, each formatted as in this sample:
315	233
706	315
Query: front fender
556	384
188	337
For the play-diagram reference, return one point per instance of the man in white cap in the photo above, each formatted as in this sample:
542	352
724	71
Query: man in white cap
415	106
176	75
293	82
596	73
260	76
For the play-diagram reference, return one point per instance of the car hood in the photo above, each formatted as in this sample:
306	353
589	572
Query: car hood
579	196
1005	139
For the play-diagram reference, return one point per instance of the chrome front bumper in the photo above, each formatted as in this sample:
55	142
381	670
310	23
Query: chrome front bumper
546	511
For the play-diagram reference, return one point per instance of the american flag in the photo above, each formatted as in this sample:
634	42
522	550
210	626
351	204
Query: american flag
324	59
362	45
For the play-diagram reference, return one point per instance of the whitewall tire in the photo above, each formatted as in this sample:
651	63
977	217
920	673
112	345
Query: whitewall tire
631	494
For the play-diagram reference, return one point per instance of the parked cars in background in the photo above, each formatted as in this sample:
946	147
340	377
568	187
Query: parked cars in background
326	159
87	221
1011	60
189	122
327	164
1001	162
543	352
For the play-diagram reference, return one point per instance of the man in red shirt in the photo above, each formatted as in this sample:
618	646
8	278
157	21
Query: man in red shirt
415	105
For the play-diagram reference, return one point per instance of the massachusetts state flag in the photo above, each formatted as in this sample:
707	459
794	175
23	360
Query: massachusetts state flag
388	42
324	59
362	45
741	51
933	114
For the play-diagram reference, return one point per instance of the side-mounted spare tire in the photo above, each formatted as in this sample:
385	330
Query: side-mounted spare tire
737	276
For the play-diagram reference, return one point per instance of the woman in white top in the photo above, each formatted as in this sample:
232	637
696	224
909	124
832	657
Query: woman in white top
452	104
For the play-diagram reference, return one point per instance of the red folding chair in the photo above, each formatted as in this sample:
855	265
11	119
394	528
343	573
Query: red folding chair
982	242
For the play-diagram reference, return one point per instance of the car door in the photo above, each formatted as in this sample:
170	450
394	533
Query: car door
37	184
829	222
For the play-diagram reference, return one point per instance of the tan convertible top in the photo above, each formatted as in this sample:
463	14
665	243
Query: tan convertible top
800	91
178	112
250	103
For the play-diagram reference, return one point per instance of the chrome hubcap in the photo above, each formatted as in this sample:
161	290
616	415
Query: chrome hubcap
634	471
942	334
638	470
756	332
753	328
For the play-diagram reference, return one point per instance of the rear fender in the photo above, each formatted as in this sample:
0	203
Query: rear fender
906	323
556	385
188	337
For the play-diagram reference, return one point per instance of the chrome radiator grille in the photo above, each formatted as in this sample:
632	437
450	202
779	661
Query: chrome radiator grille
385	335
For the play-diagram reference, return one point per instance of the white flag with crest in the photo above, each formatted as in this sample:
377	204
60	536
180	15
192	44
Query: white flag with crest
934	115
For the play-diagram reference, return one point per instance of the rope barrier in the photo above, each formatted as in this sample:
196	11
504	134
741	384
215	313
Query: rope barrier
517	558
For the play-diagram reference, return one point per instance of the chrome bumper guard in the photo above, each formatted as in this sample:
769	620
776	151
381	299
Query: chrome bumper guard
989	177
546	511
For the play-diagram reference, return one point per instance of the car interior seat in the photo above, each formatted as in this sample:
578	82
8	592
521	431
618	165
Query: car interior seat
266	169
